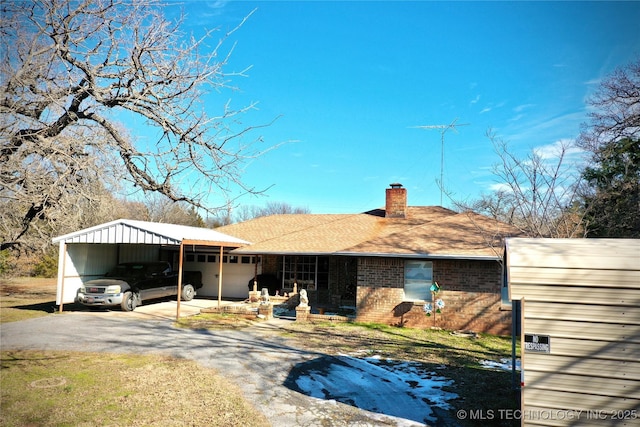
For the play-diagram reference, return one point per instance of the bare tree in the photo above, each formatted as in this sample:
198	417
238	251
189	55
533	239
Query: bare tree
160	209
248	212
612	137
72	72
615	111
537	194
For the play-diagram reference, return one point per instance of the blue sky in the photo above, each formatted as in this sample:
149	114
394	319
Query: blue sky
350	80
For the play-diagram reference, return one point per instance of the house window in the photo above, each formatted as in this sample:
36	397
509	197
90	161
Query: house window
310	272
201	257
418	278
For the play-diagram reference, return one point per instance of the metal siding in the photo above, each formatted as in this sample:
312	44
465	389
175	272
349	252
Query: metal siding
84	261
585	295
586	365
574	277
132	253
537	416
594	313
582	401
583	330
121	233
596	254
622	388
598	349
569	294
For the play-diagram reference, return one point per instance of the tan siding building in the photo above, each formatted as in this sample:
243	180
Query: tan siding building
580	329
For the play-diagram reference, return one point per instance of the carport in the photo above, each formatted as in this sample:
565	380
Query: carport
87	254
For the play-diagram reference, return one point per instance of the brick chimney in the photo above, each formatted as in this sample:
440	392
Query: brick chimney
396	206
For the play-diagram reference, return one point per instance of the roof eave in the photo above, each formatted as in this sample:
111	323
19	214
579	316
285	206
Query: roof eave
214	243
421	255
248	251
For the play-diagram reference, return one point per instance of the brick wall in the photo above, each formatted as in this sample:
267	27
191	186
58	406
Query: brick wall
396	201
470	290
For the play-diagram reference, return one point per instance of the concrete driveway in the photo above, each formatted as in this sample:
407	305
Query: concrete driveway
153	310
258	359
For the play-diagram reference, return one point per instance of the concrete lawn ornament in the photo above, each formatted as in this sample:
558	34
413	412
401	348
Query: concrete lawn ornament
304	300
264	297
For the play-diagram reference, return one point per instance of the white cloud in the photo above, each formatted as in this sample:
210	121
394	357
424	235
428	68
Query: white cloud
500	187
491	106
520	108
555	149
593	82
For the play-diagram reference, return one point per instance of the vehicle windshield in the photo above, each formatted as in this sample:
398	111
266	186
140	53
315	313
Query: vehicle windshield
128	270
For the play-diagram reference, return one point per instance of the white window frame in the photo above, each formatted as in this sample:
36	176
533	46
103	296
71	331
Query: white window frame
418	278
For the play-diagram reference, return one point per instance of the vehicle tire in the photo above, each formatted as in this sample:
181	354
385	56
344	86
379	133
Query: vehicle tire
129	301
188	292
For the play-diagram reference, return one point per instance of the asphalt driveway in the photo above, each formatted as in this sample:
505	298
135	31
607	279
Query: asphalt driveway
257	358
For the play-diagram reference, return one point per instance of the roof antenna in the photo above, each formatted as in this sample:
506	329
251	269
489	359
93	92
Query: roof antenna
443	130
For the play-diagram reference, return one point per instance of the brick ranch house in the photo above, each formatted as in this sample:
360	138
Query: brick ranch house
383	262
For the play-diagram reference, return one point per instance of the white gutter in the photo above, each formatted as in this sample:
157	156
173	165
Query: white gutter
246	251
422	256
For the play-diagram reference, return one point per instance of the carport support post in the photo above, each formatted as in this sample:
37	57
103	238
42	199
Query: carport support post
62	260
220	277
180	258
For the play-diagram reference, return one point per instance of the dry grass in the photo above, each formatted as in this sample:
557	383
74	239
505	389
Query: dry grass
217	321
82	389
26	297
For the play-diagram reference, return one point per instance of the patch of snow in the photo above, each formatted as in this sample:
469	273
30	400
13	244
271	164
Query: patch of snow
503	364
403	390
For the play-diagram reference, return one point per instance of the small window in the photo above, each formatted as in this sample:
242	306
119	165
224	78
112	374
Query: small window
233	259
201	257
211	258
190	257
246	260
418	278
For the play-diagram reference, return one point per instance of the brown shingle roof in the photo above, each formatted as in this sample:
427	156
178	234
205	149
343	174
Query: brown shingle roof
426	231
467	234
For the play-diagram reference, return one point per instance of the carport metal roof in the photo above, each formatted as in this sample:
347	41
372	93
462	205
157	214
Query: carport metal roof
128	231
150	233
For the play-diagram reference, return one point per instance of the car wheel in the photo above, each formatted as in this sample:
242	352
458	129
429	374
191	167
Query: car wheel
128	301
188	293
